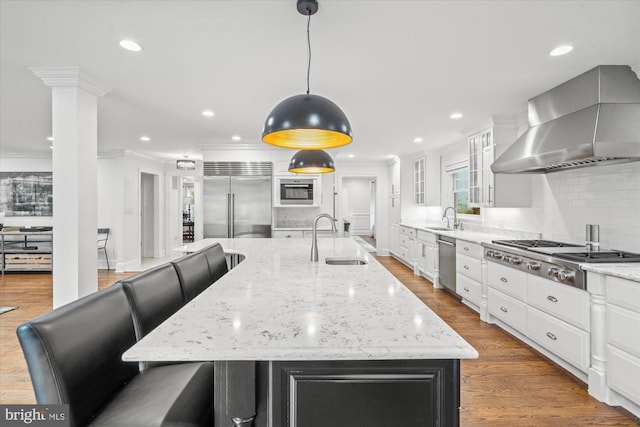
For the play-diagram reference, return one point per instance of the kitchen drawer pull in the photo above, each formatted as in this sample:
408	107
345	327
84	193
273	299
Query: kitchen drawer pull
466	267
502	308
552	336
552	298
504	279
466	289
466	248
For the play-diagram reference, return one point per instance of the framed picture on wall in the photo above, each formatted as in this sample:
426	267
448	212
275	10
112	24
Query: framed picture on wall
26	193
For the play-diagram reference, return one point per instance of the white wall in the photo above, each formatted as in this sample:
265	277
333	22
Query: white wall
110	202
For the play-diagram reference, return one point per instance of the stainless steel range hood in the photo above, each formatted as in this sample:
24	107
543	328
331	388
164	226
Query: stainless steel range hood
592	119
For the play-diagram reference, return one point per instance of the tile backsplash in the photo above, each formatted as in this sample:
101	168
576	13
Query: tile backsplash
605	195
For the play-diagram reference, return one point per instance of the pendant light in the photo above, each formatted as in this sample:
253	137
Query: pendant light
307	122
311	161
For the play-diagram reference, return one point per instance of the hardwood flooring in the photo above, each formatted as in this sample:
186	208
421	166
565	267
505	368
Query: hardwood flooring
510	384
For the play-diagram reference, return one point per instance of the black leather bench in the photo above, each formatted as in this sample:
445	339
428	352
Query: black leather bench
74	357
74	352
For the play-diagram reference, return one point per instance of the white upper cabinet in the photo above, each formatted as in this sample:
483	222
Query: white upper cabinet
394	178
426	181
418	181
487	189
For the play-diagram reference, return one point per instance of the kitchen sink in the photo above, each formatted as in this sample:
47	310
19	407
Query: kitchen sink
438	228
345	261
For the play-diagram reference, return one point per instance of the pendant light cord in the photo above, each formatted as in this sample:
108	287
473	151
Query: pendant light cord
308	50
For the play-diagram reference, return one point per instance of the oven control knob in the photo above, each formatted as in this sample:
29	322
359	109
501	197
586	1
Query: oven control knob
497	255
553	272
507	258
566	275
533	266
515	260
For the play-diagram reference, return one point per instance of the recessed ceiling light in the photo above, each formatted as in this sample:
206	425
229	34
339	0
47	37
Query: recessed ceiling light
236	137
49	138
145	138
207	113
418	139
561	50
456	115
130	45
351	156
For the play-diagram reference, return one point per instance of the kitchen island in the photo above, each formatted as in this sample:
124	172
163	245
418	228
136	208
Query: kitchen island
302	343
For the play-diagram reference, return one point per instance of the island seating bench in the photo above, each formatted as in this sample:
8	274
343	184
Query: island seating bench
74	353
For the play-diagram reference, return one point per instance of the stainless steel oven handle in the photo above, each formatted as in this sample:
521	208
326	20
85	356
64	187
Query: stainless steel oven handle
446	243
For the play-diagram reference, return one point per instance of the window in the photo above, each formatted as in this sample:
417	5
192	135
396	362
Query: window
461	193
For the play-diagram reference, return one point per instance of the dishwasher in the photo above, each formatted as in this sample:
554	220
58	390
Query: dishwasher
447	260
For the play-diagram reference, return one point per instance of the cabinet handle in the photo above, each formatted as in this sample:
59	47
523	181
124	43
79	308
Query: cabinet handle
504	279
552	298
502	308
466	289
466	248
466	267
393	188
489	194
288	235
423	254
552	336
393	205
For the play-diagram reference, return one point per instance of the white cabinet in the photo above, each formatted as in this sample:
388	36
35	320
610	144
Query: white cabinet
407	245
469	273
485	187
426	254
426	181
418	181
394	210
278	234
554	317
394	239
623	338
394	178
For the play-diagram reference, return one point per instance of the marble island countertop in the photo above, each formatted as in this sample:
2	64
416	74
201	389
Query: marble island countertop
625	271
277	305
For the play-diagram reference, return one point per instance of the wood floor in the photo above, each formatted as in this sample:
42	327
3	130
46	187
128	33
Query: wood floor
508	385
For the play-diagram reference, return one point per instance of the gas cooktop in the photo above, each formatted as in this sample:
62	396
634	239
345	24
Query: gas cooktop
570	252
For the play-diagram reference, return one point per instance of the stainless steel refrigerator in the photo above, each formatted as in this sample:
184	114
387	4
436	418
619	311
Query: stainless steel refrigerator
237	199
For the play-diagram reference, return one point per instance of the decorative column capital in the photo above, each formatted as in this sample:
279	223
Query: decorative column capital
69	77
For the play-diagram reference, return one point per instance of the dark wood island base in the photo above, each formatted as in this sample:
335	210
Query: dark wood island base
372	393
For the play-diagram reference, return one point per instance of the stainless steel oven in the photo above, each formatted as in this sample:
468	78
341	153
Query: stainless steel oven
296	191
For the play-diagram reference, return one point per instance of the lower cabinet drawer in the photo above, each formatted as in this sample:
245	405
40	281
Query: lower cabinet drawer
405	254
564	302
508	280
562	339
623	329
470	267
507	309
623	371
468	289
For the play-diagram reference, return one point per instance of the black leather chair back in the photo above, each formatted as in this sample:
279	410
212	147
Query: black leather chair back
217	262
154	296
193	271
74	352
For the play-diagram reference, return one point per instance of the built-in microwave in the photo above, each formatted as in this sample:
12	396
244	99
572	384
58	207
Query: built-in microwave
296	191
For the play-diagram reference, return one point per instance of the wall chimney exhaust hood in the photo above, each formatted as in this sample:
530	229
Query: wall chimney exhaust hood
592	119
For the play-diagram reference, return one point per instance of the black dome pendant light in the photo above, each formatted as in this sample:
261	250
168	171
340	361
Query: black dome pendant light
307	122
311	161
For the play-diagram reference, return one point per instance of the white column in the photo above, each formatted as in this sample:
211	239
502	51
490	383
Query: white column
75	206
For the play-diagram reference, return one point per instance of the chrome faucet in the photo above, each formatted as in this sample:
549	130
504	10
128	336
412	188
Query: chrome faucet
314	237
456	223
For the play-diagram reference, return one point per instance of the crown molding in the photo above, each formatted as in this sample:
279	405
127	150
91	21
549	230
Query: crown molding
69	77
23	155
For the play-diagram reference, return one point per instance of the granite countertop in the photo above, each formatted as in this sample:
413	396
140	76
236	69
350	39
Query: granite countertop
625	271
277	305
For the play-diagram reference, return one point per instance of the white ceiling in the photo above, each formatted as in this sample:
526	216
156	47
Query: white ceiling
397	68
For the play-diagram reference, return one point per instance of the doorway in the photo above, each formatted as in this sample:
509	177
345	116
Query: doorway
147	215
358	208
188	214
